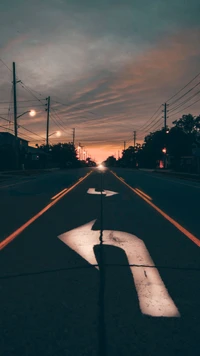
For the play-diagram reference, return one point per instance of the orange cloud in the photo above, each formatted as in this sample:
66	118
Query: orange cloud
165	63
127	98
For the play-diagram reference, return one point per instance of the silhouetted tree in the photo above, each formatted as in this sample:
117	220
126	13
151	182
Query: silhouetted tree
110	161
62	155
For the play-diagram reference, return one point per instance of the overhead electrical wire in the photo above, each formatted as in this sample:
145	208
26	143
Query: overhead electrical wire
53	118
19	101
22	107
12	130
5	65
184	102
30	91
149	126
183	87
21	126
150	119
61	122
58	102
185	94
185	107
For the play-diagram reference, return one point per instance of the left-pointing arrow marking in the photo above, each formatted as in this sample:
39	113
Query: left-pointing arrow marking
153	296
107	193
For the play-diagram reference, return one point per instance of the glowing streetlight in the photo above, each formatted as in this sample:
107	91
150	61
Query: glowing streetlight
58	134
32	113
164	150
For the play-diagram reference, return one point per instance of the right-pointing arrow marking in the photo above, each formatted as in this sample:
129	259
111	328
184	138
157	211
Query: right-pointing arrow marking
107	193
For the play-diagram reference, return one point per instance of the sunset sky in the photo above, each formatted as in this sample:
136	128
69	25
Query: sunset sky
107	66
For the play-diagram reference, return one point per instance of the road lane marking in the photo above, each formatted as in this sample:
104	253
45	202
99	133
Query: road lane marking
17	232
167	217
145	195
57	195
107	193
153	296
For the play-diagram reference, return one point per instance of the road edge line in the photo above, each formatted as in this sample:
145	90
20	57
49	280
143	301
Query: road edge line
188	234
17	232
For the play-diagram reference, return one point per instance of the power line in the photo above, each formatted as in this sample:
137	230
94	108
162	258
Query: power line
150	126
186	107
20	126
5	65
19	101
58	118
53	118
185	94
150	119
58	102
13	131
34	133
21	107
30	91
185	101
183	87
37	92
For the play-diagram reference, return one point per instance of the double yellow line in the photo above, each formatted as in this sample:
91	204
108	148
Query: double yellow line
54	199
148	199
144	194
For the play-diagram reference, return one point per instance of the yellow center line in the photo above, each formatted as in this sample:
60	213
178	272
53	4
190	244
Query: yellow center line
167	217
57	195
12	236
145	195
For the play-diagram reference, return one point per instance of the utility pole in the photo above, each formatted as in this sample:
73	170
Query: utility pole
165	133
165	116
124	145
15	117
73	137
118	154
134	138
15	100
48	112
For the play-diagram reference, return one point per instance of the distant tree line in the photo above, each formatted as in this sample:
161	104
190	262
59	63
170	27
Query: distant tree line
61	155
64	155
182	140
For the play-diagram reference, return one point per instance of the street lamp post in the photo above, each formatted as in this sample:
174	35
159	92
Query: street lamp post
31	113
58	134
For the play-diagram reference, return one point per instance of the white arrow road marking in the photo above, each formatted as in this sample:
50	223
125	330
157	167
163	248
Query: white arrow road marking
107	193
153	296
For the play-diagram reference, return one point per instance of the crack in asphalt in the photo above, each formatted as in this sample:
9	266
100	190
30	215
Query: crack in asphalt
102	329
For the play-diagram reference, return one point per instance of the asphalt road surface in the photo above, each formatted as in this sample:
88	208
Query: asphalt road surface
90	272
